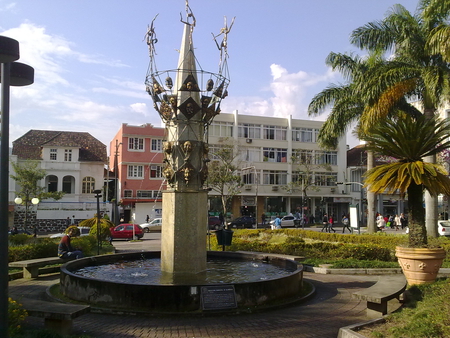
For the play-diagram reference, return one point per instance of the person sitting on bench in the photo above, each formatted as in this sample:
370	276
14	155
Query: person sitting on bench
65	250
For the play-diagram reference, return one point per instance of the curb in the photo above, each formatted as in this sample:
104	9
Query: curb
351	331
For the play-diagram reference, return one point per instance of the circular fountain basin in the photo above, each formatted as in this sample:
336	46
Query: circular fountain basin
170	293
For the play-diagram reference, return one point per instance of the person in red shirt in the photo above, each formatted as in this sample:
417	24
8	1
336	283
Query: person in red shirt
65	250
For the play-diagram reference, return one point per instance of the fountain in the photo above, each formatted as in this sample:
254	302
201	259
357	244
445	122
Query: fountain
187	106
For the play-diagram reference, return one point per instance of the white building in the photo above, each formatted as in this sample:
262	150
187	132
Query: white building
267	146
74	163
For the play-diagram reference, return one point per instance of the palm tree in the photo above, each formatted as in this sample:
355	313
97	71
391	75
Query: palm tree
439	41
409	140
347	102
413	72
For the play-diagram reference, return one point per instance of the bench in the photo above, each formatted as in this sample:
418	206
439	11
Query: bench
31	266
378	295
58	317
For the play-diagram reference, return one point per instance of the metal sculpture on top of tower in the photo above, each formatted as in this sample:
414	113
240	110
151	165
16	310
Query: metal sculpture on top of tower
187	106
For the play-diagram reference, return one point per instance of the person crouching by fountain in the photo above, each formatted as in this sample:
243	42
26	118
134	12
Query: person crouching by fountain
65	250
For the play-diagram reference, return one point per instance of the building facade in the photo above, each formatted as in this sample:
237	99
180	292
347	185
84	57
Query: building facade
277	154
137	152
74	163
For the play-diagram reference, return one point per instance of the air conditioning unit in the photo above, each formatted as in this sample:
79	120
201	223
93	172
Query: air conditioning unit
249	140
247	187
275	188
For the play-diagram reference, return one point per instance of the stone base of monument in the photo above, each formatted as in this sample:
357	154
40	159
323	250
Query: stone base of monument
181	293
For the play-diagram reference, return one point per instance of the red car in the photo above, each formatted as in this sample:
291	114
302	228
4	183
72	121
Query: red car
126	231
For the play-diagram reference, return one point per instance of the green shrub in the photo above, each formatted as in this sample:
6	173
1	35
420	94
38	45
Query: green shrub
364	252
41	249
19	239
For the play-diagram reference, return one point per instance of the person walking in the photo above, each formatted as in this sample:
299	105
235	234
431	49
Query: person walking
346	223
277	223
330	224
397	222
263	220
325	223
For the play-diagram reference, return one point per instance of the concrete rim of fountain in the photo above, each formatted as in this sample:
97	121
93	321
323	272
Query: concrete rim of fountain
157	299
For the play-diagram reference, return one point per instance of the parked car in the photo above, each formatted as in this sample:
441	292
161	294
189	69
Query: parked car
84	231
127	231
243	222
20	231
214	223
288	221
443	228
153	225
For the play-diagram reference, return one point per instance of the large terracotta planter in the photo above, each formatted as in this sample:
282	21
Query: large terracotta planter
420	265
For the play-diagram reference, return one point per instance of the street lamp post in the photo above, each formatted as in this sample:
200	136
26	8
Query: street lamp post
97	196
34	201
12	74
256	191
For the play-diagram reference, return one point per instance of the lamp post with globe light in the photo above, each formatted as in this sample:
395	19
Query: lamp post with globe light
34	201
12	74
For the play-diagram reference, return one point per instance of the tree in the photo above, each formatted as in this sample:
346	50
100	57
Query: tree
304	175
27	177
347	106
223	176
409	141
414	72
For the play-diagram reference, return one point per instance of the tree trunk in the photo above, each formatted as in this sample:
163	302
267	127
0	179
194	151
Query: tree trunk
431	202
416	223
431	207
371	199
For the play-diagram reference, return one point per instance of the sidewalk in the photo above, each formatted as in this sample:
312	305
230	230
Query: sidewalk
330	309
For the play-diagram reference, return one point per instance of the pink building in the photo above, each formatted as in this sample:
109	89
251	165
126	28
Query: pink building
139	154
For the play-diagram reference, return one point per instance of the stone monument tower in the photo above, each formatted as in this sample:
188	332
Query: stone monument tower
187	106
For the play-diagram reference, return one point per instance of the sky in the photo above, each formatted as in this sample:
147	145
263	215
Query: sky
91	58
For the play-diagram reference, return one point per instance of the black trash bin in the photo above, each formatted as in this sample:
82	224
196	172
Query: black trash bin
224	237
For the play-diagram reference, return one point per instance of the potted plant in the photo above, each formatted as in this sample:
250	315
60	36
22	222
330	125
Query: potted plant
408	141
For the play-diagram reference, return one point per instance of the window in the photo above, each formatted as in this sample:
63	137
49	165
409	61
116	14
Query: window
135	171
144	193
247	130
325	179
135	143
52	183
326	157
53	154
155	171
250	154
274	132
68	155
304	134
274	155
274	177
250	177
128	193
88	185
221	129
156	145
68	184
302	156
149	194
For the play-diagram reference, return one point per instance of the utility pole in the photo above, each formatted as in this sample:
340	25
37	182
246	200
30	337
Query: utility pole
115	217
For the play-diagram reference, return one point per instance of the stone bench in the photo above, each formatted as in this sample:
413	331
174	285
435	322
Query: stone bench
31	266
378	295
58	317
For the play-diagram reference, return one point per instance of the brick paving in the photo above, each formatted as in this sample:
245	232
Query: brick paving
330	309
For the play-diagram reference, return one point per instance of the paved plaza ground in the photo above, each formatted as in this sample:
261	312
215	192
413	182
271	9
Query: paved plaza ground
330	309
